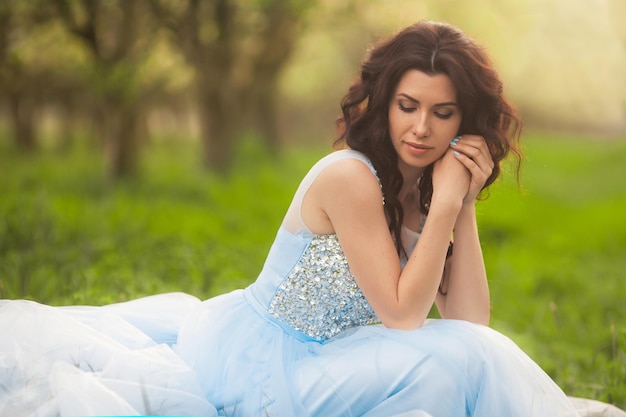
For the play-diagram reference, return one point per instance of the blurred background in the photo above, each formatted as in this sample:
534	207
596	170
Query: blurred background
153	145
215	71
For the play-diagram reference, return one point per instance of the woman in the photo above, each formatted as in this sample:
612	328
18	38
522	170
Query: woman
425	128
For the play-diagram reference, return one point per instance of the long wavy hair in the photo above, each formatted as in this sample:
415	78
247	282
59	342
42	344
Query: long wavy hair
433	48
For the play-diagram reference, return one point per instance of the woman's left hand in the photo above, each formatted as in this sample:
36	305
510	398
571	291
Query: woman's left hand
473	153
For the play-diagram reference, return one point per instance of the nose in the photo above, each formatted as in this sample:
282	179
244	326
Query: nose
421	124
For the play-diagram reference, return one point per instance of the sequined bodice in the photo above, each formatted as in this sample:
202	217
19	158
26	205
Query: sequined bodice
320	296
306	286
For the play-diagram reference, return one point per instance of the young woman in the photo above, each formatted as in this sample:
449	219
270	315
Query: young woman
336	323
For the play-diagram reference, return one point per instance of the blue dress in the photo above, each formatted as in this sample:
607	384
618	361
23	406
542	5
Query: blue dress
302	340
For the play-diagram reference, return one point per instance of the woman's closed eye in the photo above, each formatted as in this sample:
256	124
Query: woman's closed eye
444	115
410	108
406	109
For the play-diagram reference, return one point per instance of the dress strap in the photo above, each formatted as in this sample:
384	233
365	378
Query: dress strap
293	219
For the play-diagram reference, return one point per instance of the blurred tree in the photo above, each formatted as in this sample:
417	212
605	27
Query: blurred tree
119	37
20	84
237	49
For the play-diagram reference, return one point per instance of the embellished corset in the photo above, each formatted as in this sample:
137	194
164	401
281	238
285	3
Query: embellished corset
320	296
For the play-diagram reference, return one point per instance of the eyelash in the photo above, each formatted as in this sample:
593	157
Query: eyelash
406	109
442	116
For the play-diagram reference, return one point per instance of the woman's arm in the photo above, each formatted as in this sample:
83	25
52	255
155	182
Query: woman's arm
465	282
346	199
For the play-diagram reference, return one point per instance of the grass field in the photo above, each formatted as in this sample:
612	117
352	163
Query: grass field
555	250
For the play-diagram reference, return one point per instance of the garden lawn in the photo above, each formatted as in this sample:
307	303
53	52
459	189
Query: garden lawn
555	249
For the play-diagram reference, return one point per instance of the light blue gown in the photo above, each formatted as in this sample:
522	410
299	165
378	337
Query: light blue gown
302	340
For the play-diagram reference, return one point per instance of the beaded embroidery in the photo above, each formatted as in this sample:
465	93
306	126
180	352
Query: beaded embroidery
320	297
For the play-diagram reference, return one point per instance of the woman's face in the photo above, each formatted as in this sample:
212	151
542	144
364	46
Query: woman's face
424	117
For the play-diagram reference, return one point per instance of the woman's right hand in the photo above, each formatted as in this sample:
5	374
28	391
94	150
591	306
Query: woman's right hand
451	181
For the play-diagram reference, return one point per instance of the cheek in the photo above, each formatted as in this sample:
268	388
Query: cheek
453	124
458	124
442	151
447	131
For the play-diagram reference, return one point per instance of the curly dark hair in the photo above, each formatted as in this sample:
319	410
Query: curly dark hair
433	48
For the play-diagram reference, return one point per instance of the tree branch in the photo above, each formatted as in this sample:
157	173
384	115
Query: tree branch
87	31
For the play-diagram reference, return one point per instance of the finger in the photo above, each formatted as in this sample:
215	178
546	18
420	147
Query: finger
480	173
471	141
484	163
480	143
475	148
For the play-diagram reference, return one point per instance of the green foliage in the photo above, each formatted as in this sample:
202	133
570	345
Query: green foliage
556	258
555	251
67	235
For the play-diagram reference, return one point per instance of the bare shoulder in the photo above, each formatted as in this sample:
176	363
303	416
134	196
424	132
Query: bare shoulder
344	192
348	177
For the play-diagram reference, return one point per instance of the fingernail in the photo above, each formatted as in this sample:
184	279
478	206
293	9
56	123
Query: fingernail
455	140
456	153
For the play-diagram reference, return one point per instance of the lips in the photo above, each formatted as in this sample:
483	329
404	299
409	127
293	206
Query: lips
417	148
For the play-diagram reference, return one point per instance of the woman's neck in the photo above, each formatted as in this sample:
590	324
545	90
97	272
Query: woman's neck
410	179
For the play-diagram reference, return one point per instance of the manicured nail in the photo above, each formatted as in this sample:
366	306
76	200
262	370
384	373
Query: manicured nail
456	153
455	140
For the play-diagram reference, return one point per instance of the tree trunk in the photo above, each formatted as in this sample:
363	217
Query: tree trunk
23	111
263	112
221	123
121	141
67	118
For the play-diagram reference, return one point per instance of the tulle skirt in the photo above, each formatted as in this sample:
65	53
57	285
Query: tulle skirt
85	361
174	355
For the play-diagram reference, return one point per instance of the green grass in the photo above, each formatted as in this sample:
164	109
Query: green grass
68	235
556	257
555	251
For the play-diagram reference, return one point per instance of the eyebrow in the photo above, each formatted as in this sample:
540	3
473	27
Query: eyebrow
414	100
